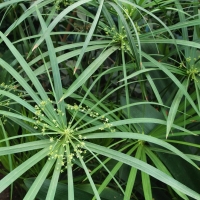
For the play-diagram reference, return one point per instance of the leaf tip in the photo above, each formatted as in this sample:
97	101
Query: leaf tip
75	70
35	46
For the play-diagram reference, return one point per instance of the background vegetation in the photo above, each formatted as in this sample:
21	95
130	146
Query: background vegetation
100	99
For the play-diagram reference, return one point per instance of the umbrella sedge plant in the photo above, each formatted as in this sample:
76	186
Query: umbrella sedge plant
93	123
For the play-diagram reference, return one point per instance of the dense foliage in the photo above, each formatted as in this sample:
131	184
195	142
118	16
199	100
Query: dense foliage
100	99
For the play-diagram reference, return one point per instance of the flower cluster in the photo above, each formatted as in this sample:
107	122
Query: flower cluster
118	38
93	114
3	119
83	109
39	116
193	72
5	103
62	3
192	68
68	137
128	11
8	87
77	144
106	125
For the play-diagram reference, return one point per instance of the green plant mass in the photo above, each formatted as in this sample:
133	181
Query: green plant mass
100	100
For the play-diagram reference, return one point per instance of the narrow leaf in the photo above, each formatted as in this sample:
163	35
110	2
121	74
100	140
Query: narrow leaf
21	169
35	187
152	171
88	72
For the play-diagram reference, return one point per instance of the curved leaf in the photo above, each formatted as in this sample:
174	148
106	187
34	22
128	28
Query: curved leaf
152	171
